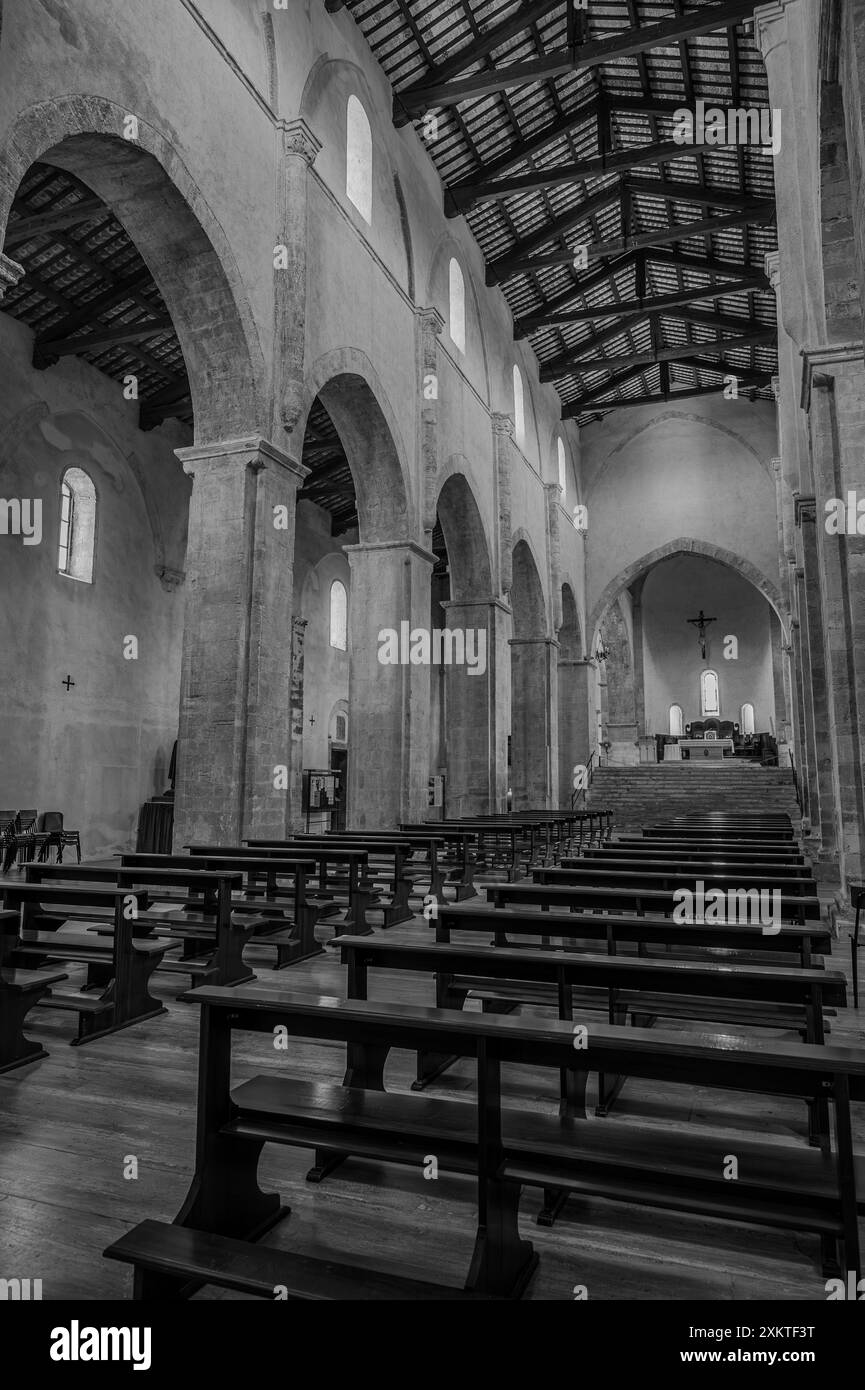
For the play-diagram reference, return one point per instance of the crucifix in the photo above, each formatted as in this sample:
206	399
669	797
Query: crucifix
69	682
701	623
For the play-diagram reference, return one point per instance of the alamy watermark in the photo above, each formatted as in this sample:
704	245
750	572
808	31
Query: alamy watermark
744	906
733	125
421	646
21	516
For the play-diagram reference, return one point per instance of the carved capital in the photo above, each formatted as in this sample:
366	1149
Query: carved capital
806	510
169	579
772	269
253	452
10	273
298	140
770	25
431	321
503	424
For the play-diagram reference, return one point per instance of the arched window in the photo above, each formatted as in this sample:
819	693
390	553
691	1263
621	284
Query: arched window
519	408
563	476
710	702
748	720
77	526
457	312
338	615
358	159
676	721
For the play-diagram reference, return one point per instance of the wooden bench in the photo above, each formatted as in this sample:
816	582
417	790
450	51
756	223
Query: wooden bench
794	908
393	876
622	987
503	1151
210	933
650	875
804	943
456	856
702	830
20	990
768	853
691	860
343	874
119	965
285	917
421	865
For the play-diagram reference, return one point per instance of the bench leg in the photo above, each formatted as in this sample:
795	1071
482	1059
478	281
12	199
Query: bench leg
16	1049
502	1263
225	1197
555	1199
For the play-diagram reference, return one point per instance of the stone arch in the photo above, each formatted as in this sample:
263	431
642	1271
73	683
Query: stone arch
527	592
463	527
688	545
663	418
349	389
152	194
447	247
570	637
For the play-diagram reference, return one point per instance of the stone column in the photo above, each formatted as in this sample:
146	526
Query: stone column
639	677
834	397
430	325
478	714
388	764
234	740
296	154
809	749
503	446
816	698
295	800
534	743
574	733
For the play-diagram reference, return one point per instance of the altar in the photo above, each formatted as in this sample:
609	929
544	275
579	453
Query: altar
700	749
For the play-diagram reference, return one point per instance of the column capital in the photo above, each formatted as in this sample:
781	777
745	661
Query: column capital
170	579
431	320
767	18
823	360
298	139
253	452
534	642
777	467
806	510
10	273
488	601
503	424
772	269
367	547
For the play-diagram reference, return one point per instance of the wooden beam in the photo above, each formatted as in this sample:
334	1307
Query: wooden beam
434	91
479	48
581	288
165	404
681	192
657	305
664	354
25	228
47	352
333	6
501	268
577	408
556	367
471	193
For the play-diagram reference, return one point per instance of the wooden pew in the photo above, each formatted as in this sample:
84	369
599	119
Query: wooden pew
802	942
709	991
397	849
456	856
211	942
502	1151
650	875
286	917
119	966
631	857
785	853
701	830
425	845
340	870
20	990
794	907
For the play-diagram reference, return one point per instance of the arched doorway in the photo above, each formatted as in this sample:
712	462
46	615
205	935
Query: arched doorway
534	750
355	504
473	734
139	345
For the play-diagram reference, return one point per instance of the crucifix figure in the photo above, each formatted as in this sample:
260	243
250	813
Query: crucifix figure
701	623
69	682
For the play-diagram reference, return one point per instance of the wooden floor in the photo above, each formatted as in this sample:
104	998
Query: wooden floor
70	1124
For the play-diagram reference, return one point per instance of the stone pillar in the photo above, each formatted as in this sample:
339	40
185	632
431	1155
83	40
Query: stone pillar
296	154
388	764
574	733
234	741
809	748
816	698
478	714
639	677
503	446
534	743
834	397
295	800
429	329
